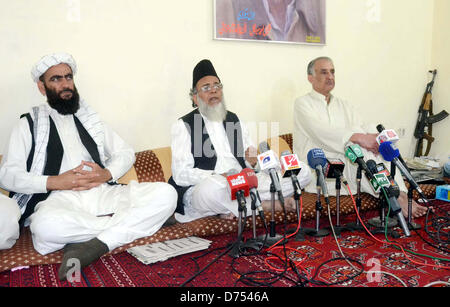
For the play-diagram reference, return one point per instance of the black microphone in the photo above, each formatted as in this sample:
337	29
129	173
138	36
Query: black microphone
391	191
335	169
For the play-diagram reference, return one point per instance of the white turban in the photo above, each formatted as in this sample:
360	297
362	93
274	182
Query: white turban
51	60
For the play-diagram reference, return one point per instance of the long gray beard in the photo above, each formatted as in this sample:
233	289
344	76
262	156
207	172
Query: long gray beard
216	113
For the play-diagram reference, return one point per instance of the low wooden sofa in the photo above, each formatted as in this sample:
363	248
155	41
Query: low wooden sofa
155	165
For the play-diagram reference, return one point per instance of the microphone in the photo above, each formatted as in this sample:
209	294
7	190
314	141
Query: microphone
289	164
334	168
318	161
391	191
253	184
386	135
389	136
383	178
239	188
354	154
290	167
391	154
268	162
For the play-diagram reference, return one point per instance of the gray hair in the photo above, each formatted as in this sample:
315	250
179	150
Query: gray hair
192	93
311	71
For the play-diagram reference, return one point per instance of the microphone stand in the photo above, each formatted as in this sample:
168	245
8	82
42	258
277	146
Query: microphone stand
317	232
235	251
273	236
338	228
393	170
411	224
379	223
357	224
300	236
254	242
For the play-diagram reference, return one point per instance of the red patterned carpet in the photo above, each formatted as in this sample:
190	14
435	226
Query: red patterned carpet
316	262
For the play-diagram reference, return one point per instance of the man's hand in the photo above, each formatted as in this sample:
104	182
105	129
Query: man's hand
251	155
367	141
79	179
89	179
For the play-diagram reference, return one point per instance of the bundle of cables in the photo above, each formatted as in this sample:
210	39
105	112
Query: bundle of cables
282	260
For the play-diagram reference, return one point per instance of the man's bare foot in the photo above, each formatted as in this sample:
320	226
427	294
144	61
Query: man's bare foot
289	204
228	216
417	210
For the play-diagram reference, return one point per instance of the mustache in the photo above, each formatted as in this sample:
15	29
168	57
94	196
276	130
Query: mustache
68	90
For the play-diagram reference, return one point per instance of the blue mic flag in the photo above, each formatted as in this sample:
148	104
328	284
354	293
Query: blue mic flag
388	152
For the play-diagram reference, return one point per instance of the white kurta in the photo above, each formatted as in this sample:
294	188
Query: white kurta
70	217
9	222
210	193
318	124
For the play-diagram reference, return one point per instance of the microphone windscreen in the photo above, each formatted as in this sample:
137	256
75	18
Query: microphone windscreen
263	147
316	157
380	128
251	177
388	152
238	182
372	166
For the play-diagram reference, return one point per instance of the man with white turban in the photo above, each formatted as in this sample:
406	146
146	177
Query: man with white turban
62	164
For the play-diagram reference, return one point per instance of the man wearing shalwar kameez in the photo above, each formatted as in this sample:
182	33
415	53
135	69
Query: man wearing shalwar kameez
322	120
62	163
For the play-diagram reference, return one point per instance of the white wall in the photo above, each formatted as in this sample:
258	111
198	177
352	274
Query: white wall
136	57
441	91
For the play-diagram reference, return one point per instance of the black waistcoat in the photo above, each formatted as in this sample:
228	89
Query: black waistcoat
54	155
203	150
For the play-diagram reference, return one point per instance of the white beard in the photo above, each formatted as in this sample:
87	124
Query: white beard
215	113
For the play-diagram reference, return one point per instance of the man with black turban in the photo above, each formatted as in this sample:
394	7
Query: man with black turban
209	143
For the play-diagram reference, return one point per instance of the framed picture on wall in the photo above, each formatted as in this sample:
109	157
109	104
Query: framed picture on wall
277	21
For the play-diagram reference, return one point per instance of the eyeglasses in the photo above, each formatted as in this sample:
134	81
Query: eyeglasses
207	88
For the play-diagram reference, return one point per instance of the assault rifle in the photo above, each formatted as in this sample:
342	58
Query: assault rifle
426	120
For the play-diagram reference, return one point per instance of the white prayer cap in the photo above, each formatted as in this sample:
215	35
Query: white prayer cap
51	60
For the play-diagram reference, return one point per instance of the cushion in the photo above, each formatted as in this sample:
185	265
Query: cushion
148	167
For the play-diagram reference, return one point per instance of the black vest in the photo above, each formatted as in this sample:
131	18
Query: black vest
203	150
54	155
